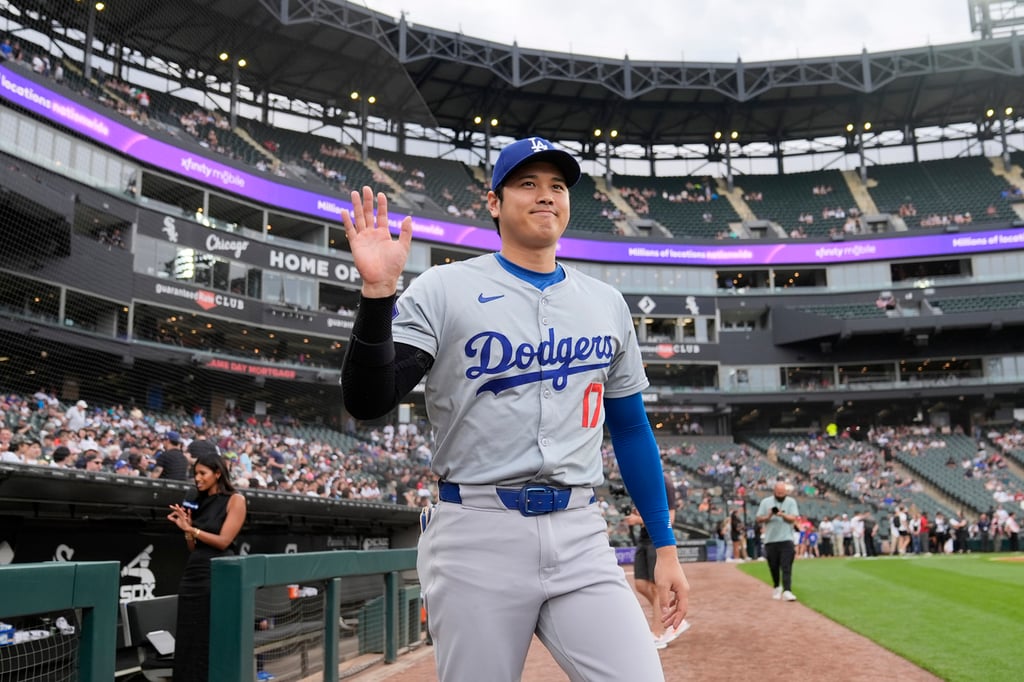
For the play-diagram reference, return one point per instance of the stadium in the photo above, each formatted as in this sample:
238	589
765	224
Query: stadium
821	258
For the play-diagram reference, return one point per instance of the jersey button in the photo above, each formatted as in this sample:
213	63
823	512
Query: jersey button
547	393
544	320
544	442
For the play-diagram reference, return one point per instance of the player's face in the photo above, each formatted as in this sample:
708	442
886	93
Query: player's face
534	208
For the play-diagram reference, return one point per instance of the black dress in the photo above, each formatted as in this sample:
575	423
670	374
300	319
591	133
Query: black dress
192	635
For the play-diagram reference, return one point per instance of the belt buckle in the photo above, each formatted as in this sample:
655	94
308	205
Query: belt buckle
541	496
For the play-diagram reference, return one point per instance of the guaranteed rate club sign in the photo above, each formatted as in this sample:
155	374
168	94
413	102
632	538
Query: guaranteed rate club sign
132	141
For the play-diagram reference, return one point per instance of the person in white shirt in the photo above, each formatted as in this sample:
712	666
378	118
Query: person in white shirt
857	533
75	416
840	529
825	536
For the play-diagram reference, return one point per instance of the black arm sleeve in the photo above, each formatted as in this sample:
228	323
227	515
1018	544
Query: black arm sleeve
377	372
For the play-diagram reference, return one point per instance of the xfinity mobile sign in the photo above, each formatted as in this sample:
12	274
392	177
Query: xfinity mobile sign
132	141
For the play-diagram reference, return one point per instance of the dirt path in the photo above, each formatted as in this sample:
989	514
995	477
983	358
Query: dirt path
729	640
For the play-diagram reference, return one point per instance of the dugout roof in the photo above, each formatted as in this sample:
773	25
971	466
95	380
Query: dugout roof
321	50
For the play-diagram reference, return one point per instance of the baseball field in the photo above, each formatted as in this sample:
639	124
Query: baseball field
960	617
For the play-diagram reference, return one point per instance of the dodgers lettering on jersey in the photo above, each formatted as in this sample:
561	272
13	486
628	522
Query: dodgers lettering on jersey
517	388
554	357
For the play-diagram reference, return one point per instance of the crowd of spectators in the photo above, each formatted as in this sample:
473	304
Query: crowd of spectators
692	192
390	464
908	210
320	164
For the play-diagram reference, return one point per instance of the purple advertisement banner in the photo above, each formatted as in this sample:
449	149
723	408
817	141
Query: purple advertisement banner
132	142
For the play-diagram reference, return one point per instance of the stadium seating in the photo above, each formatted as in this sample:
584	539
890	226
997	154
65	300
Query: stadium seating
858	479
783	198
588	212
974	304
845	311
683	217
943	188
445	182
974	492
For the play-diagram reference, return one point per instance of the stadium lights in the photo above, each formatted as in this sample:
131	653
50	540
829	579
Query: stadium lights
90	34
492	123
241	62
1008	111
718	134
734	135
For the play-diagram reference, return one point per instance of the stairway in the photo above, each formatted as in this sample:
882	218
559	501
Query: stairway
926	487
860	192
244	134
618	202
1012	175
735	197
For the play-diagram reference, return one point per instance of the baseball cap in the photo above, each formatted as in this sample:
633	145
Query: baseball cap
121	464
534	149
82	404
173	436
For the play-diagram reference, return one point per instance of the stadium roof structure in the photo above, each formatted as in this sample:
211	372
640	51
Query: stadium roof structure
321	50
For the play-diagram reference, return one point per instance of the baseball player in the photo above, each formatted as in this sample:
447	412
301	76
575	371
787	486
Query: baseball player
525	362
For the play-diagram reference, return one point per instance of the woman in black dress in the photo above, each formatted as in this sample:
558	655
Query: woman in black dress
210	531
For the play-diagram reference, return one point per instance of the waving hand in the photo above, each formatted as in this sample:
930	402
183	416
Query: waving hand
379	258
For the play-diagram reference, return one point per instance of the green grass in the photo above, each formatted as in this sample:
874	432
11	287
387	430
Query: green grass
960	617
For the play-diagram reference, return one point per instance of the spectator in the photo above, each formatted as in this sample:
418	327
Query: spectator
171	462
778	512
75	416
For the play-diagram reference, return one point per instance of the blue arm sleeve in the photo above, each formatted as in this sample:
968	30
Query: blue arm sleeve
640	464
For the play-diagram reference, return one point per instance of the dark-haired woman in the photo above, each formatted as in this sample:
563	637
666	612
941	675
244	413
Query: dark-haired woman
210	531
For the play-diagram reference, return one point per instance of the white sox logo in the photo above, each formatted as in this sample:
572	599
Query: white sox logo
170	229
139	568
554	358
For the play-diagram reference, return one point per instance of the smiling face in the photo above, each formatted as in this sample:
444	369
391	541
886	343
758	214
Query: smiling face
207	480
533	209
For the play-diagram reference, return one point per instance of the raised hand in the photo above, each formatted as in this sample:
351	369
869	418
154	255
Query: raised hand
379	258
180	517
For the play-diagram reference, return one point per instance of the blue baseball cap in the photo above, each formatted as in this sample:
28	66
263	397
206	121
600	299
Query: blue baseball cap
534	149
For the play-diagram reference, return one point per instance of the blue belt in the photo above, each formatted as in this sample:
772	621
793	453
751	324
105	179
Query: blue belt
530	500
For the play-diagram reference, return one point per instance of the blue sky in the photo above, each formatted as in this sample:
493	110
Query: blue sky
706	31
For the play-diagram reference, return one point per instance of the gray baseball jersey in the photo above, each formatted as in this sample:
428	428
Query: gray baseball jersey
516	390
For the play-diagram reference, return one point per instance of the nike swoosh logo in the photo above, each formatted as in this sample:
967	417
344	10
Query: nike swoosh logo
487	299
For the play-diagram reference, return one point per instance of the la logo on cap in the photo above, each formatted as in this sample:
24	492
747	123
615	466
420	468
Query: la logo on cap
538	145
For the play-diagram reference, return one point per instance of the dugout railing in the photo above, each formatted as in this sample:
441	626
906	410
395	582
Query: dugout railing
235	581
53	587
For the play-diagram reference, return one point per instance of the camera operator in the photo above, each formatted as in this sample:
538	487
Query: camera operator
643	569
778	513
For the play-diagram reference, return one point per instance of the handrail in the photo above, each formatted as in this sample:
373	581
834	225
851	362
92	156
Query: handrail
233	584
55	586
